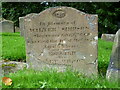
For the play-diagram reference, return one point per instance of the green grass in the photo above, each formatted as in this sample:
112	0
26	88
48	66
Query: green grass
104	53
53	79
13	48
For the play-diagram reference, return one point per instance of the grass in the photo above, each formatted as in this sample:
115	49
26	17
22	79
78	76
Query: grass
53	79
13	48
104	53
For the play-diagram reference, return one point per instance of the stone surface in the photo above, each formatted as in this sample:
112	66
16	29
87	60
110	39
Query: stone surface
113	71
1	19
7	26
12	66
22	25
1	71
17	29
108	37
60	38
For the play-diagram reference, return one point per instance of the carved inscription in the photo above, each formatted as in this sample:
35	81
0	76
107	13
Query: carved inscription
62	37
59	14
69	39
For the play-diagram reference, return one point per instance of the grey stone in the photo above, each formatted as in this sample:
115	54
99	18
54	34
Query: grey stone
108	37
21	23
1	19
12	66
7	26
113	71
61	38
1	71
17	29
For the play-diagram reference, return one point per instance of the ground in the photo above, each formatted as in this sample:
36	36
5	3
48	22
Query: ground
13	48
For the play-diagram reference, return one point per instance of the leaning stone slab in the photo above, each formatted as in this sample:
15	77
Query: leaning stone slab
108	37
113	71
7	26
61	38
22	25
12	66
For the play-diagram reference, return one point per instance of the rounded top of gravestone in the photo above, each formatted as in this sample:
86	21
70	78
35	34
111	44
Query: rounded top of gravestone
4	20
118	30
59	12
28	15
118	33
1	19
64	7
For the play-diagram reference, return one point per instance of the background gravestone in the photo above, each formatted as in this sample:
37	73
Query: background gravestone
7	26
21	23
108	37
113	71
17	29
62	37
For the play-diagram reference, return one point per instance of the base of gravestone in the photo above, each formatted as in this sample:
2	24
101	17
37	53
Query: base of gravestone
113	75
12	66
41	66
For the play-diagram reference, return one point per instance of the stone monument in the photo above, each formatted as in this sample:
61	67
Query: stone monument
113	71
108	37
60	38
7	26
21	23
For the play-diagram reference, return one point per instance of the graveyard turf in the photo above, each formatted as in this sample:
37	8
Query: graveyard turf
53	79
13	48
104	52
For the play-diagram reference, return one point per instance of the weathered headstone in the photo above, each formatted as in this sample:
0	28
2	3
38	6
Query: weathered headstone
108	37
7	26
17	29
21	23
62	37
113	71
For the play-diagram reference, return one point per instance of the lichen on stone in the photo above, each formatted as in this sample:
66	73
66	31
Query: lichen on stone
13	65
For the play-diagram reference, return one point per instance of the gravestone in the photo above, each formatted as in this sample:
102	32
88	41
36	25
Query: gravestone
113	71
7	26
108	37
21	23
60	38
17	29
1	19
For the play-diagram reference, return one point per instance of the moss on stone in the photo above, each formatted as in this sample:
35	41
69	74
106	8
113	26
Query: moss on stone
13	65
